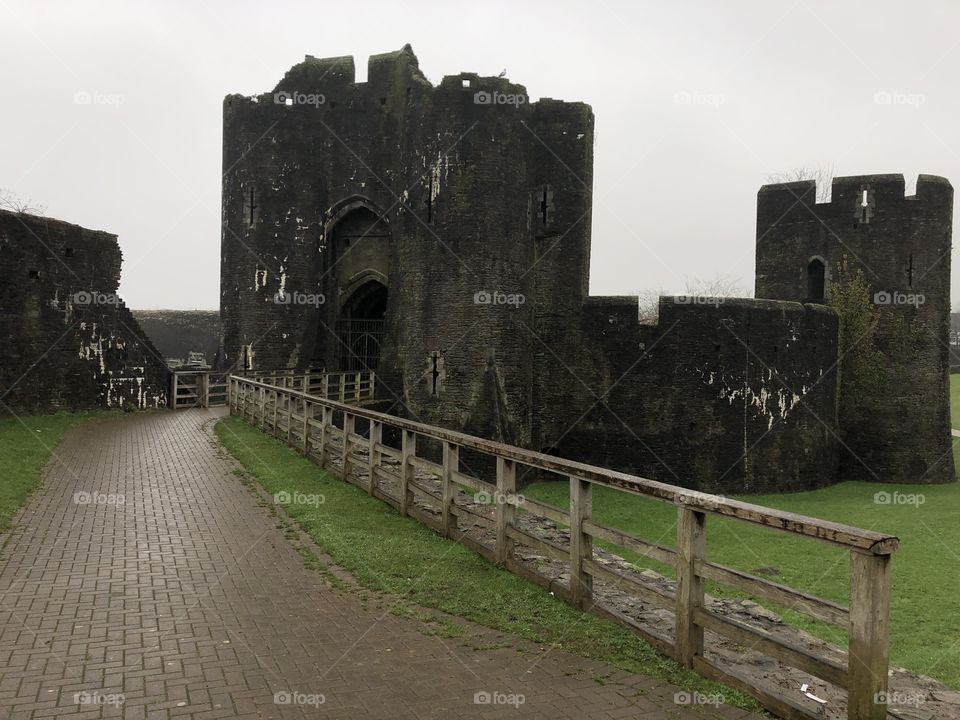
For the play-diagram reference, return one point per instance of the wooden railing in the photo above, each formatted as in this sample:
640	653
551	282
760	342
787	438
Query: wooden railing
349	387
208	388
307	422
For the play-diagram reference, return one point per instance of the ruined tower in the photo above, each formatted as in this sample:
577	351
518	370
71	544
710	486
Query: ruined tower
396	224
901	244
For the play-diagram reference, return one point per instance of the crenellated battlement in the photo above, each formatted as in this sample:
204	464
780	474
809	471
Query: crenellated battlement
855	198
900	245
391	78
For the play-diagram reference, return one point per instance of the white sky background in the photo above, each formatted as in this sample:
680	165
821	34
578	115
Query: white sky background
674	184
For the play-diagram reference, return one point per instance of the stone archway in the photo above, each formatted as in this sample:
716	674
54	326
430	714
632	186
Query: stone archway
360	328
352	272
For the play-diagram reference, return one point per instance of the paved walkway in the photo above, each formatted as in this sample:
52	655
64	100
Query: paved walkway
145	581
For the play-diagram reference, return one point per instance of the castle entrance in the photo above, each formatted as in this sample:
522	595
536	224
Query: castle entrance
360	328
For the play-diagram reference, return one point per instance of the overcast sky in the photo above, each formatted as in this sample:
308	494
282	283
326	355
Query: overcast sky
771	86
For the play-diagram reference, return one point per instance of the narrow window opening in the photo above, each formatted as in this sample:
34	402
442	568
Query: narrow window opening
864	209
816	274
543	207
430	207
383	101
34	274
68	252
437	373
910	271
252	207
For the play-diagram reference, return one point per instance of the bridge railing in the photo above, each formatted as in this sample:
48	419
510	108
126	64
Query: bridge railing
327	432
349	387
208	388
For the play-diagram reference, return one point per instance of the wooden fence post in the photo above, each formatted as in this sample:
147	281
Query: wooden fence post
203	389
451	464
326	421
581	544
173	390
307	412
356	387
343	387
263	409
348	427
691	543
506	512
407	452
869	650
325	386
373	386
276	409
289	408
376	437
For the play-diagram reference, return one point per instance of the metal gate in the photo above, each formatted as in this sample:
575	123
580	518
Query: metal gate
360	342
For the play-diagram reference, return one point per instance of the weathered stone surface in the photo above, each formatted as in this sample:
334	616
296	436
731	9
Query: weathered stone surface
460	215
69	342
902	245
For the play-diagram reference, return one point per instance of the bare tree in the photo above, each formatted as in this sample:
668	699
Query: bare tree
12	202
648	305
720	286
822	175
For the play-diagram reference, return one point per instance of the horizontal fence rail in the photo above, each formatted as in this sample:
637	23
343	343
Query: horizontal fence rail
347	387
197	388
208	388
421	465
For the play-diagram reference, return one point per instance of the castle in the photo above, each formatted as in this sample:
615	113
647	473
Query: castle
441	236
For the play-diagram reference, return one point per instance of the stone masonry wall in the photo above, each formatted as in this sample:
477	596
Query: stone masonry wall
69	342
735	396
902	245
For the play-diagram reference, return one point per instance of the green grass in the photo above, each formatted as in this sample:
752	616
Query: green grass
925	611
399	556
26	445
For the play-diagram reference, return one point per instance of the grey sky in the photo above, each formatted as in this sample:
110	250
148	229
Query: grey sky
696	104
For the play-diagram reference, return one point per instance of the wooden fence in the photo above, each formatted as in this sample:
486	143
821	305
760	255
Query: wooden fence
346	387
208	388
307	422
197	388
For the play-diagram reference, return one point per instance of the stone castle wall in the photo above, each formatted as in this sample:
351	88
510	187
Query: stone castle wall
469	210
69	342
902	246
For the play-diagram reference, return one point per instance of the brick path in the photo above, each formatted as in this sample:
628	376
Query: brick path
187	600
